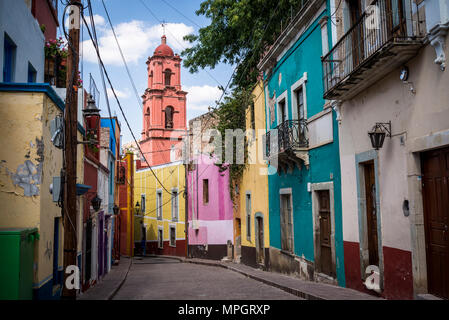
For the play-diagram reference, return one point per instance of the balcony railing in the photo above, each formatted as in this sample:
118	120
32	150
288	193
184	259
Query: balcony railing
289	136
384	22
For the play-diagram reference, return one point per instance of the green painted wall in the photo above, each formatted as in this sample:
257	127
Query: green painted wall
305	56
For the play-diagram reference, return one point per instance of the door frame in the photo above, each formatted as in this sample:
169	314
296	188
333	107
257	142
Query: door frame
259	246
360	160
315	187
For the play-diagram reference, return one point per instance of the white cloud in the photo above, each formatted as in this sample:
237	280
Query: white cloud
137	40
120	94
201	97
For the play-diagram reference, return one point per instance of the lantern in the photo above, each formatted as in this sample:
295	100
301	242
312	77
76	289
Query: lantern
96	203
378	133
91	115
116	210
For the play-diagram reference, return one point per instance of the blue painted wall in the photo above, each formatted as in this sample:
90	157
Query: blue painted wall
305	56
109	123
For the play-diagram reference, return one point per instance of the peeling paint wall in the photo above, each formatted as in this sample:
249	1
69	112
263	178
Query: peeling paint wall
28	163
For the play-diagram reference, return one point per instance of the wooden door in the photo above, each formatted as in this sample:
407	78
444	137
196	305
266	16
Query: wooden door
286	223
325	233
371	213
435	170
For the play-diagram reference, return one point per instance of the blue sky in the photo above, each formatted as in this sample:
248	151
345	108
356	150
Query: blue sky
139	34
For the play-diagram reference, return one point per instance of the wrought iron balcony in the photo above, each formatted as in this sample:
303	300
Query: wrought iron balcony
385	36
288	137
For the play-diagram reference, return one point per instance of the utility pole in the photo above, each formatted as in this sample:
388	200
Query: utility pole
71	145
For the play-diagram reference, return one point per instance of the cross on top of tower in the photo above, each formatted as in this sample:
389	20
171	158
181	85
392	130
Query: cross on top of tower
163	27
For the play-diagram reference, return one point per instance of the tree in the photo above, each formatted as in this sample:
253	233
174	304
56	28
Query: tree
239	33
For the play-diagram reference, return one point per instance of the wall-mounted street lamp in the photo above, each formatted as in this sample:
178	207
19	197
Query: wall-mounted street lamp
96	203
91	114
116	210
378	133
137	209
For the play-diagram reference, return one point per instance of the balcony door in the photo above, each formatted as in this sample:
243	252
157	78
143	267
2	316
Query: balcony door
395	17
357	31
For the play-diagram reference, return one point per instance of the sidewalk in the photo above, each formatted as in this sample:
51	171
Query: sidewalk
305	289
110	284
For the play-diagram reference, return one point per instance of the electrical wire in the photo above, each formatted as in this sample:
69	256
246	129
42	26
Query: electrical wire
118	101
180	44
92	22
122	55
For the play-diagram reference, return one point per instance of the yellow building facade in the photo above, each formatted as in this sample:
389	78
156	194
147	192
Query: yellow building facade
29	163
160	215
252	223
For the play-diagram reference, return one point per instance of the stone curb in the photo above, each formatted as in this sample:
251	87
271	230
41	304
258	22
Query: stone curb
114	292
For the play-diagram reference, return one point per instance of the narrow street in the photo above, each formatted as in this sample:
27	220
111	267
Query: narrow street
154	278
165	278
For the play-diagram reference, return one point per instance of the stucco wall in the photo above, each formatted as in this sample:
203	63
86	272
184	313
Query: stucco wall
412	116
255	178
215	218
18	22
303	58
172	176
29	161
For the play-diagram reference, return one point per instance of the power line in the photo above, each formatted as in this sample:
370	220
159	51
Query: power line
92	22
180	44
123	57
182	14
118	101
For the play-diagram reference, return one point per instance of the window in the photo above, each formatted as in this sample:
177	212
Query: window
169	111
142	203
286	223
283	111
121	175
9	52
172	236
160	238
253	116
159	204
174	205
248	216
168	77
205	191
31	73
111	177
300	103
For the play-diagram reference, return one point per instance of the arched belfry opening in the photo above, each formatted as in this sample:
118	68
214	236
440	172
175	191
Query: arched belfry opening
169	112
167	77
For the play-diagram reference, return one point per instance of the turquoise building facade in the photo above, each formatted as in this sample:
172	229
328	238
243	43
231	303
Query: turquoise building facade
305	210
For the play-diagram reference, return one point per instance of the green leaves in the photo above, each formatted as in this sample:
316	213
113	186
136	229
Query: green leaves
239	33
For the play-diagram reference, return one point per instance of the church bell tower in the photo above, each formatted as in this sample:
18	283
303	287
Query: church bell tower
164	107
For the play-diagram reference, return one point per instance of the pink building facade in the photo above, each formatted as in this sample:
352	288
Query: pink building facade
209	209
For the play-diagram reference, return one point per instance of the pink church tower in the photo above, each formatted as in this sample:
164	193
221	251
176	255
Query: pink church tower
164	107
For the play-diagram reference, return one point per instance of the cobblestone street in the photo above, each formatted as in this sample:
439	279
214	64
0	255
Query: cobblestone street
165	278
162	278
